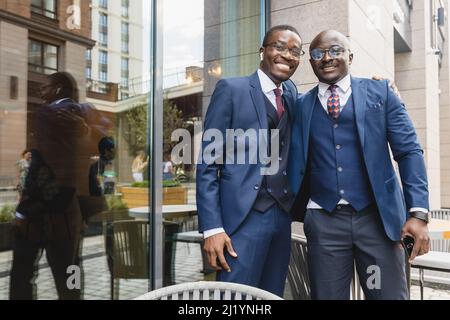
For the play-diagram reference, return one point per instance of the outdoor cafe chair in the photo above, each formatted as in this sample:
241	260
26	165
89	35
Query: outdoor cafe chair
209	290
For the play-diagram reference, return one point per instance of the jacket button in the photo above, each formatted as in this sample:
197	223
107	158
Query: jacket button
285	191
342	191
256	187
269	190
335	126
338	147
284	173
340	169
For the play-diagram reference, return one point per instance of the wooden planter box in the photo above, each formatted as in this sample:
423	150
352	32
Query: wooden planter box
6	236
138	197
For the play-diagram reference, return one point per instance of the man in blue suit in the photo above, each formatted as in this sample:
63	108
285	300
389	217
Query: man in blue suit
349	198
243	214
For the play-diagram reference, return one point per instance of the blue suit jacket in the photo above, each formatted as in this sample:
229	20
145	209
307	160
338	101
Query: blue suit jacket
226	192
382	121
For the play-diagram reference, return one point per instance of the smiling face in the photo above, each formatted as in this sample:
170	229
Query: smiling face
277	65
331	70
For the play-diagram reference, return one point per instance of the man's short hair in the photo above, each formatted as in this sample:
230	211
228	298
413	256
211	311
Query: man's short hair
106	143
281	27
67	84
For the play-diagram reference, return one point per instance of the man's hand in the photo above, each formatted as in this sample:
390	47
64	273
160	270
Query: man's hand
392	85
419	231
214	247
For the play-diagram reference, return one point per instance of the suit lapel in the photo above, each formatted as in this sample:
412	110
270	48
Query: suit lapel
307	108
288	98
359	91
258	100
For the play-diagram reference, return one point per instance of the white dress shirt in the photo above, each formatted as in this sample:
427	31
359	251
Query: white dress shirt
267	86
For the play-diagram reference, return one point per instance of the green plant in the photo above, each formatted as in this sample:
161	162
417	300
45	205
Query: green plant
166	184
7	213
115	203
137	121
171	183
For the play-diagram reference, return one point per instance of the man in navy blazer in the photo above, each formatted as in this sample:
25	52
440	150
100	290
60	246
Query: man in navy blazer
349	197
243	213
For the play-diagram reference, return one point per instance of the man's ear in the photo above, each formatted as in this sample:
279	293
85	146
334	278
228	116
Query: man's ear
350	58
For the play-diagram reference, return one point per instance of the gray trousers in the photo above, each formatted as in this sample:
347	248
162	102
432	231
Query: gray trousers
339	239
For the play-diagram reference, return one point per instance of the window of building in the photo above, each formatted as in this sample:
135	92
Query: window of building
42	57
103	30
125	73
46	8
103	66
125	8
88	64
103	4
125	37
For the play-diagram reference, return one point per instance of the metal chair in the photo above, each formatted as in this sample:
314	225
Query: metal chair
298	277
130	254
130	258
209	290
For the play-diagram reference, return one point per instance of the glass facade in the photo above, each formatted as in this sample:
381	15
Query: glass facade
95	206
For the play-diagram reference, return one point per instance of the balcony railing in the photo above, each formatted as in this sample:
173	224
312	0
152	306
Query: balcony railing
102	90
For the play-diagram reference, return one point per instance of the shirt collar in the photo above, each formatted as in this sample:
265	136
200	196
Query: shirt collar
267	84
344	85
54	103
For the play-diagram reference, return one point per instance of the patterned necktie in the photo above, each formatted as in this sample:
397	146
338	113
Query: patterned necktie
279	102
334	103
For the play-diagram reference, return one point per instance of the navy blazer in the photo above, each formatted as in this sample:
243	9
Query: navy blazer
382	122
226	192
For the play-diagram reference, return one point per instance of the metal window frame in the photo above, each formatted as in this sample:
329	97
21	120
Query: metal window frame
42	64
155	135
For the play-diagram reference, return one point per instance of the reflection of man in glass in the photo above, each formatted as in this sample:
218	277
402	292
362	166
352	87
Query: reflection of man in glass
101	173
48	216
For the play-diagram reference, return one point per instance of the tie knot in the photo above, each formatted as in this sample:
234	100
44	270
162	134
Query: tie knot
277	92
333	88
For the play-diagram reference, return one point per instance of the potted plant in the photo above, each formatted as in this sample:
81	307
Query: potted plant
137	194
6	227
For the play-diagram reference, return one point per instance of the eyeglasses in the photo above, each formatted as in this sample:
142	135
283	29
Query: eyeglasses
283	49
334	52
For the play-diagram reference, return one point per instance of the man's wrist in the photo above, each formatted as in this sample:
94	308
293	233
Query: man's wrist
425	217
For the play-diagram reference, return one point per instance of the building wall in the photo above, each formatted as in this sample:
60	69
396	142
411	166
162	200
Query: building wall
19	7
114	50
444	135
70	20
74	63
417	76
309	17
13	116
367	24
